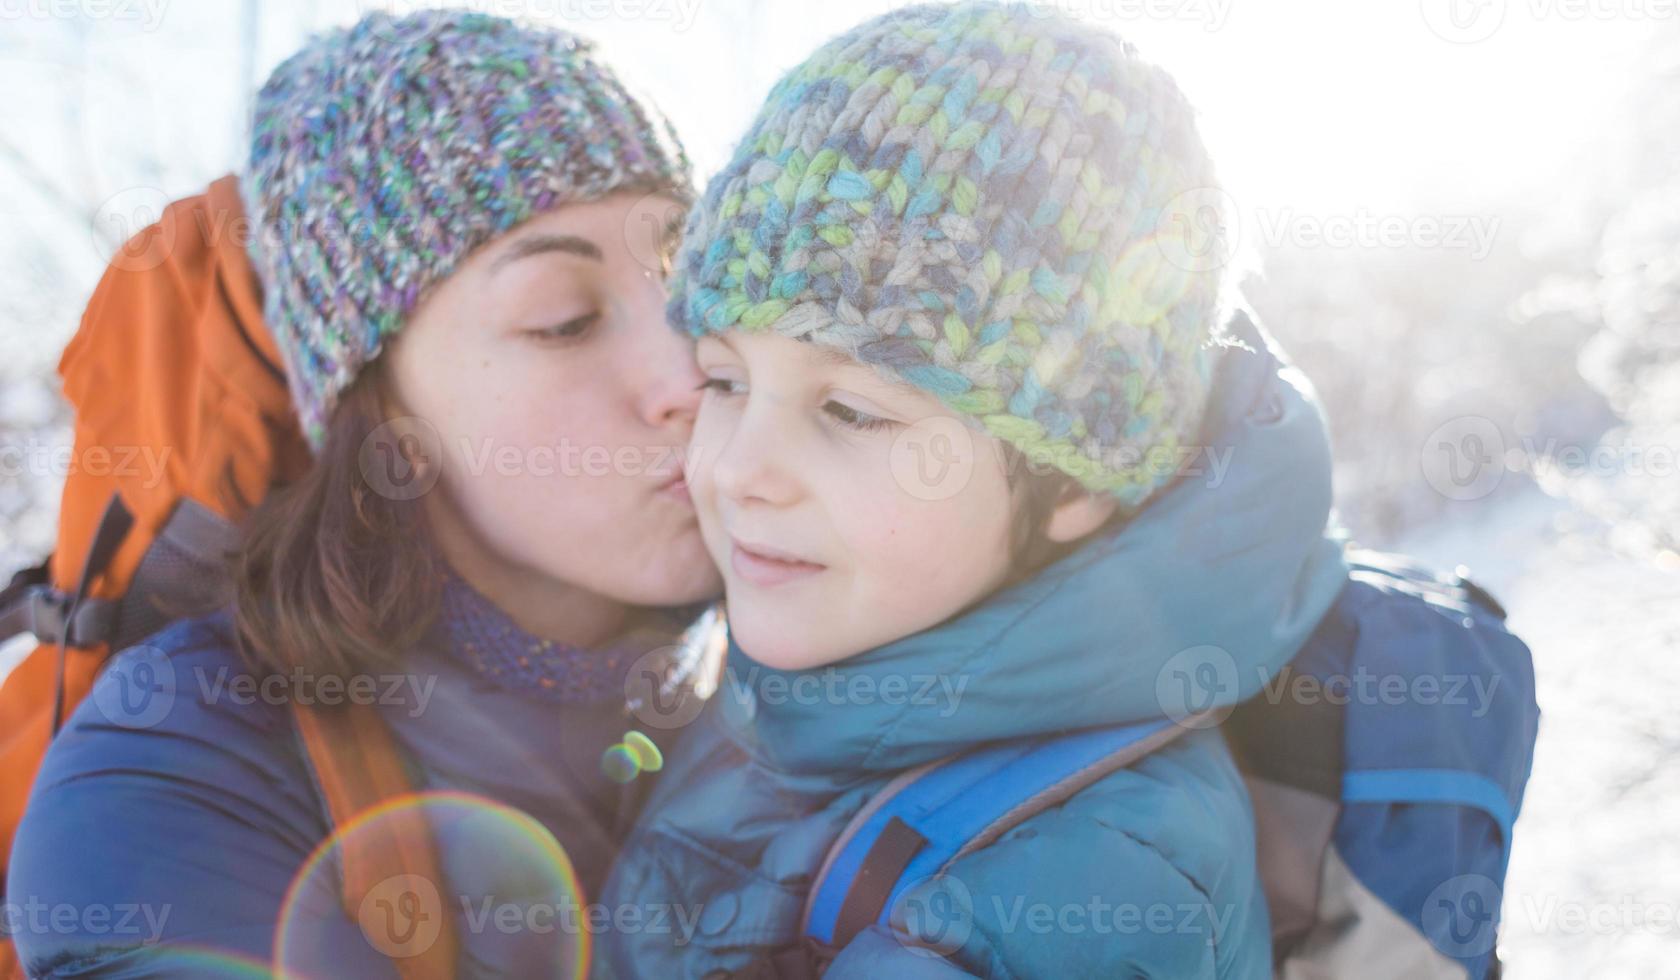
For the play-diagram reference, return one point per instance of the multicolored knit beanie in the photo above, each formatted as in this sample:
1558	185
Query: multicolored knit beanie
980	199
385	153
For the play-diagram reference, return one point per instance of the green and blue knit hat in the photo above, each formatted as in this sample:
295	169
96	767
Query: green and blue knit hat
383	154
979	198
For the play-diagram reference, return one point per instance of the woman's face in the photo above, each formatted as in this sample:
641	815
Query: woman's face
846	511
559	404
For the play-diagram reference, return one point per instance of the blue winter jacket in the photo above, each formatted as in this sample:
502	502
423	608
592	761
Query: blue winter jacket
1148	872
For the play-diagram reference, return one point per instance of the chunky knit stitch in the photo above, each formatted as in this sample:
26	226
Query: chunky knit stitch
383	154
972	197
475	631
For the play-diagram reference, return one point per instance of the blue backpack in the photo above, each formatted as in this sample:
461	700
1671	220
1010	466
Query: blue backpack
1386	764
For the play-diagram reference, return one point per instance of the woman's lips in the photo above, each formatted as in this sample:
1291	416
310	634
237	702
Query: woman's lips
766	567
676	487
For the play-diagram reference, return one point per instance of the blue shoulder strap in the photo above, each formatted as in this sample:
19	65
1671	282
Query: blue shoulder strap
928	817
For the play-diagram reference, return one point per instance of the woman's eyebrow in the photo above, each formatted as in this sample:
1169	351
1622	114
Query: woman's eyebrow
530	245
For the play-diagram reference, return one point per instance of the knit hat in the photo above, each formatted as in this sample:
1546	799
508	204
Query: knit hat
383	154
973	198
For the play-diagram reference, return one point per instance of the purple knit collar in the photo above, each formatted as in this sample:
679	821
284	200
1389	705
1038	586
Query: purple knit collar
478	633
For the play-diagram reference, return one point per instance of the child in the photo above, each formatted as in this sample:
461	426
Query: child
977	463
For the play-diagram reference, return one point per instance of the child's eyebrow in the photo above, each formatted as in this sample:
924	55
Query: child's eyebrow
834	357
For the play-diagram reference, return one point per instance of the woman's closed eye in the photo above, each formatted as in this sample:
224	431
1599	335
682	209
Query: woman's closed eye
573	329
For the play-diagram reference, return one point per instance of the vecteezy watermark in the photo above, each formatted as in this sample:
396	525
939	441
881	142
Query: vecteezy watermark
569	459
652	230
1461	915
403	458
932	459
1199	687
34	457
488	915
1212	15
403	915
655	693
1203	228
1624	916
1100	917
137	690
140	687
1366	687
120	219
1466	458
148	14
840	688
1463	21
411	692
1470	21
1555	459
934	916
119	921
679	14
1472	233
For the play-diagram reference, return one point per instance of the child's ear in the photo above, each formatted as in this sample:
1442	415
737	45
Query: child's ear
1078	513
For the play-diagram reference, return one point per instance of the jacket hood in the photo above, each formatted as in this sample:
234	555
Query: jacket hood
1192	605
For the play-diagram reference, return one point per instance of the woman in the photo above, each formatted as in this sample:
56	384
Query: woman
450	215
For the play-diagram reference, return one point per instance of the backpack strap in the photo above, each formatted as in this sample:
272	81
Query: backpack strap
927	818
358	767
30	604
108	536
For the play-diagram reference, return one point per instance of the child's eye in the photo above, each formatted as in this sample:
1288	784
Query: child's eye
852	418
574	329
722	386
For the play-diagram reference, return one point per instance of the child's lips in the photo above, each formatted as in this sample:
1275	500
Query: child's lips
767	567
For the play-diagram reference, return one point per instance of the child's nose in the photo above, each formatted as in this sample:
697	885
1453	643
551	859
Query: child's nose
754	465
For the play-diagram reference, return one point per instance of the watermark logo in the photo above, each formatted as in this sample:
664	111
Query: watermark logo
1464	458
933	458
1463	21
936	916
1461	915
124	215
1212	15
1197	231
655	698
138	689
1197	687
402	916
402	458
148	14
838	688
679	14
652	228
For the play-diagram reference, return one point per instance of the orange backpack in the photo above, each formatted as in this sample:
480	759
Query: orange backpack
182	421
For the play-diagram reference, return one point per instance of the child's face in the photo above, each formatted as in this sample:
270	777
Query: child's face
804	472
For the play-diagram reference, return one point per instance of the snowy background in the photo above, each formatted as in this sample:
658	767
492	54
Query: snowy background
1462	217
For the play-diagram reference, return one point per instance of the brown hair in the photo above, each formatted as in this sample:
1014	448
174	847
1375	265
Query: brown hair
1036	495
333	577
